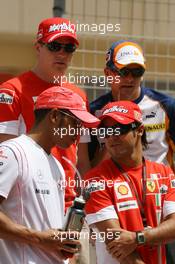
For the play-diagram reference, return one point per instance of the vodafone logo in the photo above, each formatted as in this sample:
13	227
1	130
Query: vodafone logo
62	27
6	96
116	109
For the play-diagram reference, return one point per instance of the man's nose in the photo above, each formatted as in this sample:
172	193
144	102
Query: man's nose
129	77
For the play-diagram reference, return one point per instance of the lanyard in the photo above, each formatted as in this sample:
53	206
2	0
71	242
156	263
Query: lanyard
142	202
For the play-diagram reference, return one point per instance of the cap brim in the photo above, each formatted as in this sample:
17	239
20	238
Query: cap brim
120	66
88	119
59	35
120	119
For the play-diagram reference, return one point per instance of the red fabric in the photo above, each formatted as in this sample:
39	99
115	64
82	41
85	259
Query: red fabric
55	27
121	197
124	112
60	97
5	76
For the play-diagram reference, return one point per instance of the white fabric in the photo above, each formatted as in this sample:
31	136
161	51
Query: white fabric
34	197
158	147
9	127
15	127
168	208
103	257
103	214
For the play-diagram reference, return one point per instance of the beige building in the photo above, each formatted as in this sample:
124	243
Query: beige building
99	23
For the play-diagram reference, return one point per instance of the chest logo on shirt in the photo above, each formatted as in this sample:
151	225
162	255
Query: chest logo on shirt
122	190
154	127
173	183
163	189
2	155
151	115
39	174
151	186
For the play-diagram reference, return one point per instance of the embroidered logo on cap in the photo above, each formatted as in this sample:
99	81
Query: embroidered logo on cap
115	109
61	27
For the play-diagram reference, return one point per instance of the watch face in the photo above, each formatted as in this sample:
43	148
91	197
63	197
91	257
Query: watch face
140	237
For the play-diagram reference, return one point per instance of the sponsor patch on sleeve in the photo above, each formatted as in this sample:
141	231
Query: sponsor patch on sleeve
127	205
96	186
6	96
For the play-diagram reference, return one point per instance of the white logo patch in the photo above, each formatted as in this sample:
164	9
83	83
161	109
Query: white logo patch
6	96
116	109
96	186
62	27
122	190
34	98
128	205
172	183
163	189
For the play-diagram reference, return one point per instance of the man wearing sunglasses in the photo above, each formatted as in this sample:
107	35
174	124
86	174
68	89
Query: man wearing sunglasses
125	59
130	192
55	45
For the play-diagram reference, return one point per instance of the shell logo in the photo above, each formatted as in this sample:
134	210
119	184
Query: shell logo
122	189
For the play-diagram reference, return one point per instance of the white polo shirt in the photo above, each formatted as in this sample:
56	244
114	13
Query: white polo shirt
30	181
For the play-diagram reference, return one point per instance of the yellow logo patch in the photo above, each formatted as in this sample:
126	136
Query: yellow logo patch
122	189
151	186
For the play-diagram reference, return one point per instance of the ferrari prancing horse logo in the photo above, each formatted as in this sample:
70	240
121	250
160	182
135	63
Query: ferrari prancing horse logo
151	186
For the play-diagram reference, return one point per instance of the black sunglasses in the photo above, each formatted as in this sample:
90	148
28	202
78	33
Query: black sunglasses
56	46
135	72
118	129
78	121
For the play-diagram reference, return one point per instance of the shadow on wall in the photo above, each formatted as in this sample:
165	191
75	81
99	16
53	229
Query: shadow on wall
5	76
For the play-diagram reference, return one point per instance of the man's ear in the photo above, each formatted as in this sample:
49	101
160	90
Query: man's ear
107	71
140	130
54	116
37	46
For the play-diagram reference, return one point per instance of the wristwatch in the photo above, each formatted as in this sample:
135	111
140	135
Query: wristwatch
140	238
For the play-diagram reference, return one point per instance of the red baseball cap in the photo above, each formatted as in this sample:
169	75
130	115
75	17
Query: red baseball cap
124	112
64	98
54	28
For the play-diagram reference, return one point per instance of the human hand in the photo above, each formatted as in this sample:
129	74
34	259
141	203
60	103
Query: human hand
123	245
63	244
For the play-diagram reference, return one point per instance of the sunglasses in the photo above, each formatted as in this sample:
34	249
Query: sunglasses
117	130
78	121
56	46
135	72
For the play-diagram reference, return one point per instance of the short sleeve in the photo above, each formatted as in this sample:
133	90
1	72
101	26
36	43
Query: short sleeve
169	202
10	107
8	170
99	206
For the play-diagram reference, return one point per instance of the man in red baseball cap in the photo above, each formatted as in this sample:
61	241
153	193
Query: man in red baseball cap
132	199
55	44
32	182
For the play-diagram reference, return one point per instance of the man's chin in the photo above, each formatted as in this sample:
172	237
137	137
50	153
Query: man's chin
65	146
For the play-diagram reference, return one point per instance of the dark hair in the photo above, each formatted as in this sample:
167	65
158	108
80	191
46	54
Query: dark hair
40	114
144	140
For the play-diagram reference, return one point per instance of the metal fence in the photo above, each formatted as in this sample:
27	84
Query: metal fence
149	22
